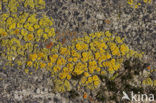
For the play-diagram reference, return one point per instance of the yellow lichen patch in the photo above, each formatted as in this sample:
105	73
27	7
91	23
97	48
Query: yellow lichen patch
13	4
45	21
118	39
108	34
81	59
0	5
79	68
3	33
114	49
29	37
61	61
62	75
24	32
42	65
137	3
40	55
91	82
81	46
86	74
147	1
154	83
26	71
40	4
130	2
124	49
33	57
147	81
92	66
87	56
68	77
53	58
56	68
19	26
64	51
29	63
62	86
29	3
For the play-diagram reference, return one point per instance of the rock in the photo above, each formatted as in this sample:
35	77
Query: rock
153	75
100	16
38	91
18	97
146	73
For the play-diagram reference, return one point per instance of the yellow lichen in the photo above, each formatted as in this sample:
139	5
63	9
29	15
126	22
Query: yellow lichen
32	39
147	81
29	63
136	3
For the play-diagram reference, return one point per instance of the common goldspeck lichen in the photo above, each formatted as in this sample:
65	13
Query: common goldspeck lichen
22	34
137	3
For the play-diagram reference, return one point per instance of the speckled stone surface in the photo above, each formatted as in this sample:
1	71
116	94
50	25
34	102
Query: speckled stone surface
138	25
